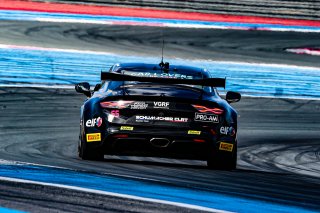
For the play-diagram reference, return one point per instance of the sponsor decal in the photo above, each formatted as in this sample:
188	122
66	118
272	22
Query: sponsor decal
194	132
128	128
93	137
115	104
226	130
161	105
147	118
204	117
205	109
99	122
159	75
94	122
139	105
181	120
226	146
115	113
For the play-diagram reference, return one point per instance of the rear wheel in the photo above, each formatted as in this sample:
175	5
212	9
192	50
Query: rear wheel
86	152
221	160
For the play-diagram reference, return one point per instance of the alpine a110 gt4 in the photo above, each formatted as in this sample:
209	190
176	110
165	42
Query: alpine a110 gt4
159	110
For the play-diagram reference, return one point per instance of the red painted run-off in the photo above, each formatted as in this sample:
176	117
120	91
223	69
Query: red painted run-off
145	13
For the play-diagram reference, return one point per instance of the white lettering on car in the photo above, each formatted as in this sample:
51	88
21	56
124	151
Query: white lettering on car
204	117
162	105
159	75
139	105
147	118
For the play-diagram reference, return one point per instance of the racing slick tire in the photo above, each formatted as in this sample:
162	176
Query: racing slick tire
86	152
220	160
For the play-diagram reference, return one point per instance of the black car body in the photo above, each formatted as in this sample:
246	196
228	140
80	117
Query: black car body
159	110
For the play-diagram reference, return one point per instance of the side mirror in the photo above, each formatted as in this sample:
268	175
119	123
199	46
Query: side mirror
233	97
97	87
84	88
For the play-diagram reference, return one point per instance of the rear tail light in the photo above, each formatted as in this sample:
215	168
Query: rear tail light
199	140
204	109
115	104
213	132
120	136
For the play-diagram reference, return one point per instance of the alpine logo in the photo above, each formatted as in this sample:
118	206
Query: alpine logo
204	117
94	122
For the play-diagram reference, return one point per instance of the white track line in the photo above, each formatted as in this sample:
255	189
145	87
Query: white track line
11	85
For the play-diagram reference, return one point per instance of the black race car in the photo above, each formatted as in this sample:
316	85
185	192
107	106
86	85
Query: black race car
159	110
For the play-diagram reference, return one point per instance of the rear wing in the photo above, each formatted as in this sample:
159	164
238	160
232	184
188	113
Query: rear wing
214	82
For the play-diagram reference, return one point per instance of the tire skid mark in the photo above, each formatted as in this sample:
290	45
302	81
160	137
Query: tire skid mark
301	159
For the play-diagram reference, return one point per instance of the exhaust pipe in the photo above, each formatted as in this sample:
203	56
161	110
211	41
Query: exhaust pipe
160	142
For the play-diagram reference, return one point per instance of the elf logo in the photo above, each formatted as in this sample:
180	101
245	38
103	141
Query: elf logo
225	130
94	122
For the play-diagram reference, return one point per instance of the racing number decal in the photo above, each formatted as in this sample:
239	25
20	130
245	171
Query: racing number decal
115	113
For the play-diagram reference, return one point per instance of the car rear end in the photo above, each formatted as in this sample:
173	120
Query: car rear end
171	127
153	111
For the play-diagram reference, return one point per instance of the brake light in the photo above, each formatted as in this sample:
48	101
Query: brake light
204	109
115	104
213	132
120	136
199	140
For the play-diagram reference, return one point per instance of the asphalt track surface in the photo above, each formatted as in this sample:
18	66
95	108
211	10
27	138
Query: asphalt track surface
37	198
279	139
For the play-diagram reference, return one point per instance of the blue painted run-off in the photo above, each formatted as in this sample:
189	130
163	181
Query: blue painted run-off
62	17
141	188
46	67
6	210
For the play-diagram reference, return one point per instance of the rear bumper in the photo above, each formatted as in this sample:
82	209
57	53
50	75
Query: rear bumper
156	147
158	142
